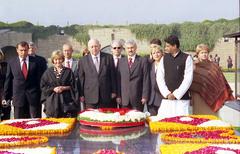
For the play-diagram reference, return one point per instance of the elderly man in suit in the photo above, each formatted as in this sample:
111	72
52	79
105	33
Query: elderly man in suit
22	84
133	79
116	48
96	76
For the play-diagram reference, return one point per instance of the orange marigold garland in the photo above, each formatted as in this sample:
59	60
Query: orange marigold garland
187	123
200	148
38	150
202	136
12	141
37	126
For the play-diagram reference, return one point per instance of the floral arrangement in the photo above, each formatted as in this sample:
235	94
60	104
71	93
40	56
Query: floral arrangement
106	151
200	149
187	123
98	135
37	126
107	118
201	136
38	150
12	141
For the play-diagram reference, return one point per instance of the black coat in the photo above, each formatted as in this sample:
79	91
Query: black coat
55	103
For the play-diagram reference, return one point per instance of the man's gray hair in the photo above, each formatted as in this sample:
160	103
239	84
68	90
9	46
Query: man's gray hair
93	40
131	42
118	42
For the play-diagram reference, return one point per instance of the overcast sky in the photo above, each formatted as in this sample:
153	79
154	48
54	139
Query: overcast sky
62	12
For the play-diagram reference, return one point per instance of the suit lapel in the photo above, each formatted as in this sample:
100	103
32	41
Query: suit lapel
18	67
74	65
91	64
135	64
102	62
125	64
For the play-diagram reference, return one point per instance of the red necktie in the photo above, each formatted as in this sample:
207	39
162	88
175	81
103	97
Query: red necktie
130	62
24	69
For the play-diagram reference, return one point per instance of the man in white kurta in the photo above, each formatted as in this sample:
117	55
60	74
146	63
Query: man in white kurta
174	77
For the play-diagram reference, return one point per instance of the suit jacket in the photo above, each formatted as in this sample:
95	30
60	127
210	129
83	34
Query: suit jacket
116	69
74	66
93	84
133	83
18	88
155	95
43	64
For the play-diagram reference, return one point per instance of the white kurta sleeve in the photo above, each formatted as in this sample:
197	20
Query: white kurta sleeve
187	79
161	79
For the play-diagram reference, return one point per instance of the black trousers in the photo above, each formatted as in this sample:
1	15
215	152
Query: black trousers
28	111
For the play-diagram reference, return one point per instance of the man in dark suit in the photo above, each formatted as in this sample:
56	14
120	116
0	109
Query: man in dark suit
116	48
41	60
22	84
133	79
96	76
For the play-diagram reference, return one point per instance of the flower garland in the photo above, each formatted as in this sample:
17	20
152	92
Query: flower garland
37	126
108	118
200	149
210	136
187	123
38	150
12	141
107	151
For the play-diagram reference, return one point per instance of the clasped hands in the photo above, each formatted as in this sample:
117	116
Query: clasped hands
171	96
60	89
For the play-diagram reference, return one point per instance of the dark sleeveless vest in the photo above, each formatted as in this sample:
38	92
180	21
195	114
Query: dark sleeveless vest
174	68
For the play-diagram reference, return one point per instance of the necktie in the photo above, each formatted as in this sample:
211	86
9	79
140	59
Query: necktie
68	64
24	69
97	64
130	62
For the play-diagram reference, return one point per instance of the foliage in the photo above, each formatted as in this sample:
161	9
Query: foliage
79	32
190	34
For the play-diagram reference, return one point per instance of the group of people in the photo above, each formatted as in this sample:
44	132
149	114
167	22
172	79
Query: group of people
100	80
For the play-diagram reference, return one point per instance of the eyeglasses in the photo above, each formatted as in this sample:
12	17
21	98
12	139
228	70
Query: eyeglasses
117	48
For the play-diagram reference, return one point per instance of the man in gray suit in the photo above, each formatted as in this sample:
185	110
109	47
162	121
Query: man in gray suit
133	79
96	76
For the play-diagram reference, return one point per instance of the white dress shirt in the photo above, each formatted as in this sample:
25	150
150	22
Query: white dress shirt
26	60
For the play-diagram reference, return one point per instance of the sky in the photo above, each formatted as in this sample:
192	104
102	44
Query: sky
116	12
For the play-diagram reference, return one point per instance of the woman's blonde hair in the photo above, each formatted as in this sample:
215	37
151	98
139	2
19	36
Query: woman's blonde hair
201	47
57	54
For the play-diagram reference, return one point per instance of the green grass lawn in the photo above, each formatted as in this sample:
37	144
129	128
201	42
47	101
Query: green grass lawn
230	76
